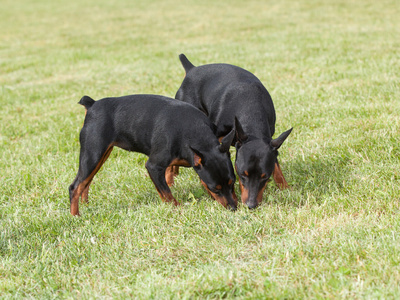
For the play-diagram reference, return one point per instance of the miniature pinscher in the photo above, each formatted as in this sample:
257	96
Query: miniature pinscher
235	98
170	132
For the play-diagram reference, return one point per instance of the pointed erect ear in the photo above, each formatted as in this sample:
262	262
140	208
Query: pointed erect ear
187	65
276	143
240	135
227	141
198	158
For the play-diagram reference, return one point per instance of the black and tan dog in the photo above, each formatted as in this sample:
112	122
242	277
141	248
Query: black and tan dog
233	97
170	132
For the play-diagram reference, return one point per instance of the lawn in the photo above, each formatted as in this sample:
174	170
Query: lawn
332	69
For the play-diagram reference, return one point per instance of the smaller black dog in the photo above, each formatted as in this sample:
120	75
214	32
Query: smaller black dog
171	133
234	98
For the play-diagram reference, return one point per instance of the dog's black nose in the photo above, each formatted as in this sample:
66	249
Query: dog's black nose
252	205
232	207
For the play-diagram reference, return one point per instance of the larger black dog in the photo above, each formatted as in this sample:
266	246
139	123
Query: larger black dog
171	133
233	97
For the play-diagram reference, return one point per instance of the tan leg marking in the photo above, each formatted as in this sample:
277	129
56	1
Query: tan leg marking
83	188
173	170
168	197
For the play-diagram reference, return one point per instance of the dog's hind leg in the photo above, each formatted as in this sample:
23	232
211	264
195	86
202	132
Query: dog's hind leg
90	162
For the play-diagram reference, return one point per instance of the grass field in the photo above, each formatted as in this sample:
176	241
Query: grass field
332	68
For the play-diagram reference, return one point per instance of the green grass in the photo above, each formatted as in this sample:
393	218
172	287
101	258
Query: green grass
332	68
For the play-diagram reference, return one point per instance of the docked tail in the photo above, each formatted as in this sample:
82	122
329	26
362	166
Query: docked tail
187	65
87	102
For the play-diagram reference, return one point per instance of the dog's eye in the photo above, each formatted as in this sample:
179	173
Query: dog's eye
265	179
217	189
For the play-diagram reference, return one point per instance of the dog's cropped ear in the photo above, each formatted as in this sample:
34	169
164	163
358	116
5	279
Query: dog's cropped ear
227	141
198	158
276	143
241	137
187	65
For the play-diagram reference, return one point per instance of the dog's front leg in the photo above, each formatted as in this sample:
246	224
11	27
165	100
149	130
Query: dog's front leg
157	175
